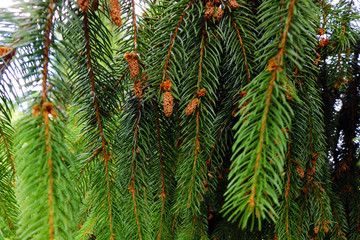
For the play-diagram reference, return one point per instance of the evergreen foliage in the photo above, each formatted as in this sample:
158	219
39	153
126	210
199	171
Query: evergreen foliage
196	119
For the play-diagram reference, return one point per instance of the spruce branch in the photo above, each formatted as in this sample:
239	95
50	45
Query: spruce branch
241	42
172	41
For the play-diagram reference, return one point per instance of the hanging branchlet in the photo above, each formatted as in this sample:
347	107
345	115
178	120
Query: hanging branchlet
84	5
233	4
133	63
218	14
115	12
168	102
191	106
95	5
210	9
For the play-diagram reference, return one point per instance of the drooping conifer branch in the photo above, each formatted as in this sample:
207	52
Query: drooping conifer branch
11	225
4	140
276	69
106	160
197	127
92	81
258	128
104	152
46	112
134	26
133	166
216	141
287	191
47	49
172	41
241	42
172	193
163	193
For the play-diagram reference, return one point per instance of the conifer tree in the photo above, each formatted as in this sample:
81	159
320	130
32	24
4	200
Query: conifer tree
188	119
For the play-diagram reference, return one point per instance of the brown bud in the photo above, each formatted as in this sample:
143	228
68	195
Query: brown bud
49	109
133	63
323	42
36	111
311	170
168	102
209	10
300	171
4	50
95	5
137	88
115	12
321	31
233	4
166	86
201	93
84	5
219	13
191	106
217	2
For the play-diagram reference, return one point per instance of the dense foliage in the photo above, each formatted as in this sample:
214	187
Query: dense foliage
188	119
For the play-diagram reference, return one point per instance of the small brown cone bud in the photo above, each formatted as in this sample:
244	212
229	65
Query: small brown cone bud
210	9
4	50
7	53
201	93
243	93
166	86
312	170
95	5
219	13
300	171
132	60
323	42
84	5
137	88
168	102
217	2
36	111
115	12
233	4
191	106
321	31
